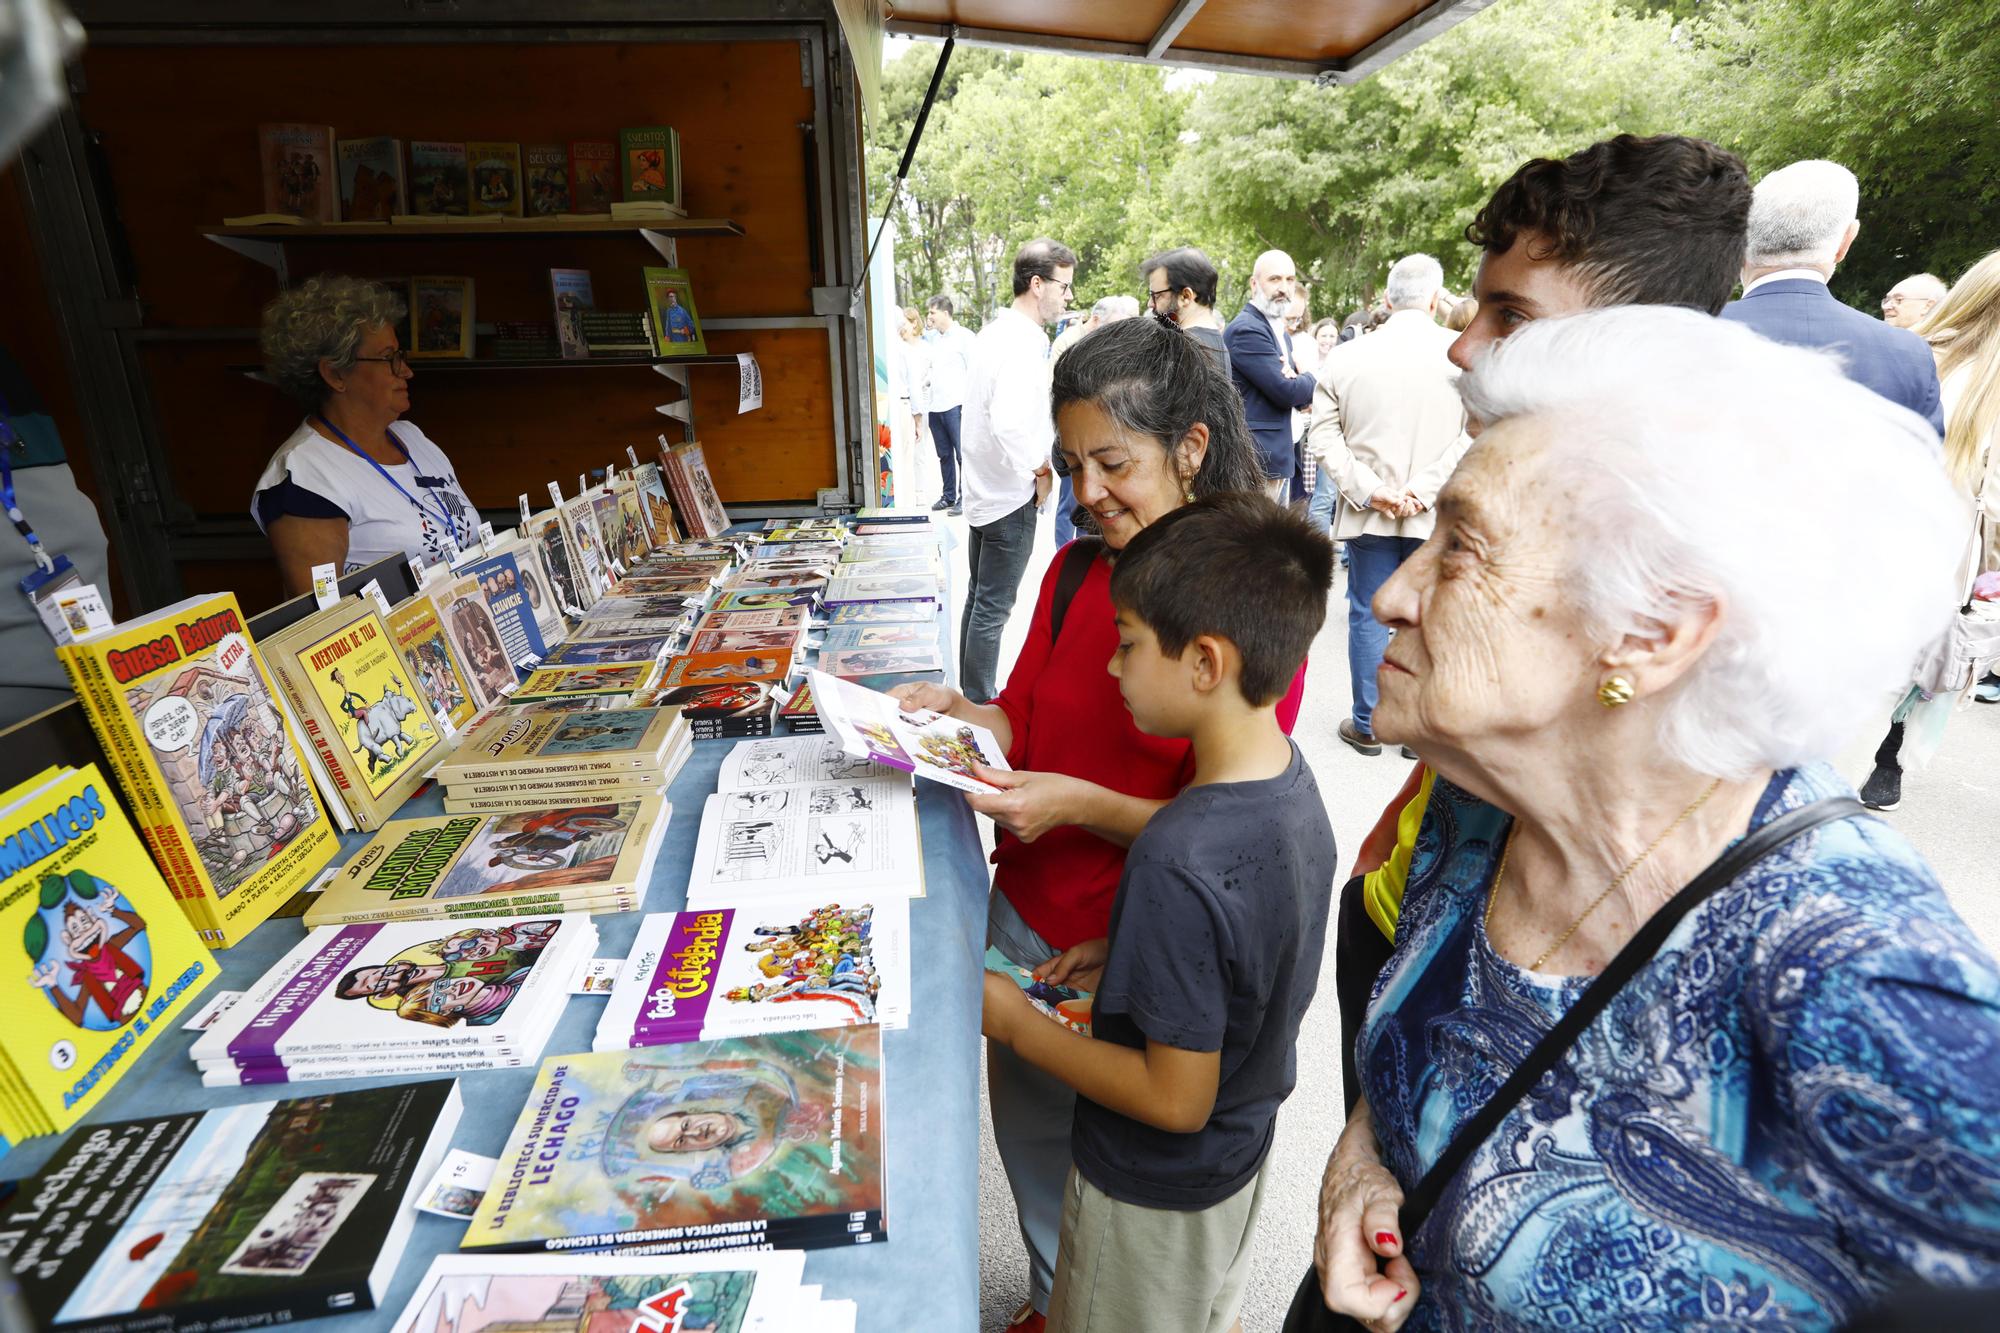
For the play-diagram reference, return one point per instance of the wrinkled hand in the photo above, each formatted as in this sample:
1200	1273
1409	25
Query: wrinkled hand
1045	481
1358	1232
1080	965
919	696
1027	805
1001	1008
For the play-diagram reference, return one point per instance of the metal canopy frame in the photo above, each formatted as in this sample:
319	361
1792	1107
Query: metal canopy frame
1159	49
97	310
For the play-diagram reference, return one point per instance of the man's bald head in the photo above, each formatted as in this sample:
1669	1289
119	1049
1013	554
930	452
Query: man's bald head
1274	263
1912	298
1274	281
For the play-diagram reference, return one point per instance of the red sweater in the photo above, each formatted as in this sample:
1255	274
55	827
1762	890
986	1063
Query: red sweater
1068	717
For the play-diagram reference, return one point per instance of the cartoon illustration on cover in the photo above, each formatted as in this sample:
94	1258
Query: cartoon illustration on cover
469	976
736	700
866	661
747	668
380	728
477	639
598	733
659	512
743	641
636	546
610	525
555	556
505	1302
531	849
591	680
494	179
89	952
956	753
430	661
594	652
826	956
228	762
883	613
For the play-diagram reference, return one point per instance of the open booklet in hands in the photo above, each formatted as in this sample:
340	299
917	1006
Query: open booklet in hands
931	745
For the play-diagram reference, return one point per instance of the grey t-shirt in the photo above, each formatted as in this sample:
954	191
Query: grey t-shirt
1216	937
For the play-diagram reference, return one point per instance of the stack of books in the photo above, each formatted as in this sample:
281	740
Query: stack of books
395	998
553	754
524	340
110	961
250	1215
781	965
616	332
770	1140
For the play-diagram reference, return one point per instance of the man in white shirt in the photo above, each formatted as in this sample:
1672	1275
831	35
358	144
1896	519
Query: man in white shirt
1008	438
950	346
1387	430
1911	299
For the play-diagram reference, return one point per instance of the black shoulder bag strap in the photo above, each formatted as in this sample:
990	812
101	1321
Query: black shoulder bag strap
1308	1312
1075	569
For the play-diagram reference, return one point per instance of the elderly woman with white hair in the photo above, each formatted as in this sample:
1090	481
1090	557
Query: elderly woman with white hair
1674	1035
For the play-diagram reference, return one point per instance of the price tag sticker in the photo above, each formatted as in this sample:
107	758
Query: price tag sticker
524	512
485	536
582	483
373	590
326	585
555	493
632	454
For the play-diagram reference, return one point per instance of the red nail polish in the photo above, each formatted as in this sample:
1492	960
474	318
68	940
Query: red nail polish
1399	1296
1385	1238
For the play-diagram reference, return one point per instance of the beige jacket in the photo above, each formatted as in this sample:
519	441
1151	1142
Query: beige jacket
1386	413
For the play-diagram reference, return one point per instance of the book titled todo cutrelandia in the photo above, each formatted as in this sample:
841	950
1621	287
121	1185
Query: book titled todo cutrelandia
98	958
776	1139
202	746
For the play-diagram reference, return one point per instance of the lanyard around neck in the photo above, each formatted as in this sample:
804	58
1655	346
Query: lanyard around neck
450	521
8	442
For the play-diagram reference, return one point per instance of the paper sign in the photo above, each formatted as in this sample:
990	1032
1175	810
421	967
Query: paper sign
217	1005
524	511
632	454
555	493
326	585
597	976
82	609
582	483
485	535
459	1185
373	589
749	384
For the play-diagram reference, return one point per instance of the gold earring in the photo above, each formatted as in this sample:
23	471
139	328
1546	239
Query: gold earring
1190	493
1615	691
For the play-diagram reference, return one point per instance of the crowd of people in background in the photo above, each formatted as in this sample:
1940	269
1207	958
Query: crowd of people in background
1644	1022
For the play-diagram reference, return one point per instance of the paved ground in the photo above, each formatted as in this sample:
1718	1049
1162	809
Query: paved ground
1949	811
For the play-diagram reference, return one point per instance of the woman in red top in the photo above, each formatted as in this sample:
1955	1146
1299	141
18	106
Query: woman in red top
1144	424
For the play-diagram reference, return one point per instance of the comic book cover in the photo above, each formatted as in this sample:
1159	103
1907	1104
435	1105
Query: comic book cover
777	966
534	584
607	652
428	656
659	511
775	1138
638	541
635	617
767	599
593	175
506	596
688	590
760	578
742	1292
610	524
546	166
854	663
886	588
410	987
548	682
650	164
441	317
932	745
371	179
298	171
763	618
517	743
676	323
193	723
367	721
571	294
915	634
243	1216
721	668
108	960
438	178
551	540
883	566
736	708
475	635
586	549
745	641
797	714
856	841
496	179
416	867
694	465
883	613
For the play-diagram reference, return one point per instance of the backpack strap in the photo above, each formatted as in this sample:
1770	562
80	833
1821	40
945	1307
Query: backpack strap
1077	558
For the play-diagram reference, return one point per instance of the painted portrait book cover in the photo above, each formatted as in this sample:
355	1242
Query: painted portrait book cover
367	720
243	1216
205	751
431	661
676	325
588	854
298	167
770	1139
103	960
477	638
586	549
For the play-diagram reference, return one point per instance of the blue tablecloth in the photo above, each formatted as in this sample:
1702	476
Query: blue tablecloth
925	1276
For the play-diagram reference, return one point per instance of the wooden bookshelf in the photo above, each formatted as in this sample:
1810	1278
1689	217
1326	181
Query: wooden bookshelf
354	231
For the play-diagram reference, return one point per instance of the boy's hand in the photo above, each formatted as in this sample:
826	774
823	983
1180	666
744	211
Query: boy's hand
1027	804
1002	1008
1080	965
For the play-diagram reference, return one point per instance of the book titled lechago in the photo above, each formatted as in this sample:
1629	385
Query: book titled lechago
201	744
629	741
578	858
110	962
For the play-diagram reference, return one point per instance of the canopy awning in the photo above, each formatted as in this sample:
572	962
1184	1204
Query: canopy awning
1329	41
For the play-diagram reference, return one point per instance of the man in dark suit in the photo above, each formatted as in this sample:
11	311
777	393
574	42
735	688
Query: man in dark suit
1260	362
1802	221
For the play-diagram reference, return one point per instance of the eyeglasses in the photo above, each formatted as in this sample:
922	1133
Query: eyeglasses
1057	282
397	360
1164	291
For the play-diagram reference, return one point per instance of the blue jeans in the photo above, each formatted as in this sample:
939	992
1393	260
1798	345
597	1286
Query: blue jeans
1370	562
996	555
1031	1116
944	437
1065	501
1320	508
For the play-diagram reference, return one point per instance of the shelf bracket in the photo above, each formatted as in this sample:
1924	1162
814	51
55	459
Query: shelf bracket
664	243
271	254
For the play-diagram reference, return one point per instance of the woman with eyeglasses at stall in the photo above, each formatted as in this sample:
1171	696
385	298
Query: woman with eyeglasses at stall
353	484
1145	423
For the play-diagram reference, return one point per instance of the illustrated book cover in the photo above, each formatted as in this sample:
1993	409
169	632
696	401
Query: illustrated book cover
883	613
559	744
507	598
724	667
441	315
854	663
653	497
527	860
371	179
477	638
439	183
546	169
586	548
772	1139
649	162
552	543
676	325
931	745
431	661
593	175
693	466
741	1292
862	836
534	584
496	179
571	297
201	744
244	1216
298	165
107	961
606	652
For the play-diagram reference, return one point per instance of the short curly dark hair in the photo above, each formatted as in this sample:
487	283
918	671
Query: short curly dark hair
1643	221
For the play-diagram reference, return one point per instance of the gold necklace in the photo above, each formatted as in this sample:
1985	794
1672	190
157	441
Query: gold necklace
1500	874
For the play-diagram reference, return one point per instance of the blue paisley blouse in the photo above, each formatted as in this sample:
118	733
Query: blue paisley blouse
1793	1108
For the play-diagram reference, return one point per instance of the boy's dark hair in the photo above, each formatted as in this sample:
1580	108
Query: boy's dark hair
1239	566
1655	221
1040	258
1186	267
941	303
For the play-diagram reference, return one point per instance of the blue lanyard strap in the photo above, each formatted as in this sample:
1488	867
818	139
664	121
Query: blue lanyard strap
450	520
9	442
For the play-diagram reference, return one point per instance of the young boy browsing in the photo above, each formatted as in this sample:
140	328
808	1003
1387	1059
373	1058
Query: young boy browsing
1216	932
